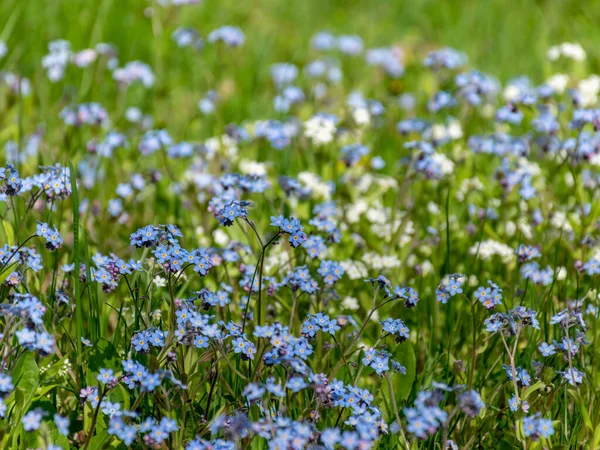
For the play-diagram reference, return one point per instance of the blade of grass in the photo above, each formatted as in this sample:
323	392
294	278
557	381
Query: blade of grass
78	303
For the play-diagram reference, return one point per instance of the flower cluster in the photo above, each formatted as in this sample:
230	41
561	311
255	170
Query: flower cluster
537	427
317	322
397	328
51	235
292	227
410	296
489	297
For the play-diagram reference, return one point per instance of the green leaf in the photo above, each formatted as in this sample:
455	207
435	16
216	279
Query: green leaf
98	442
102	356
585	416
9	232
596	438
405	355
43	390
26	377
43	404
531	389
122	395
58	439
6	272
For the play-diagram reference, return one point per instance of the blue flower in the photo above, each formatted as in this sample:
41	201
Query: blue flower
6	384
230	212
442	296
573	376
513	403
253	392
296	384
140	342
546	350
62	424
380	364
230	35
454	287
331	271
51	235
200	342
32	420
482	293
592	266
105	376
245	347
535	427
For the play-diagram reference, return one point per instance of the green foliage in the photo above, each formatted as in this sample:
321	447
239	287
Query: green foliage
405	355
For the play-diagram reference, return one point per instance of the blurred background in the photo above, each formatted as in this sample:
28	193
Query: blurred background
504	37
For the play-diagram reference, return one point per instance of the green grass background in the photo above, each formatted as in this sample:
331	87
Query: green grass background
502	37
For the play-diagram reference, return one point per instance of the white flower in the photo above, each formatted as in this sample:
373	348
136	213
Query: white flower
553	53
361	116
354	270
377	215
206	106
445	164
317	186
438	132
573	51
589	88
253	167
133	114
84	58
220	237
159	281
355	210
433	208
364	183
454	130
212	146
350	303
511	92
426	267
560	221
595	160
386	182
558	82
320	129
510	228
525	228
486	249
380	262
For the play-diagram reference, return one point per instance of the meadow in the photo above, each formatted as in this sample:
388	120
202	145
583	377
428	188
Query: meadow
287	225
